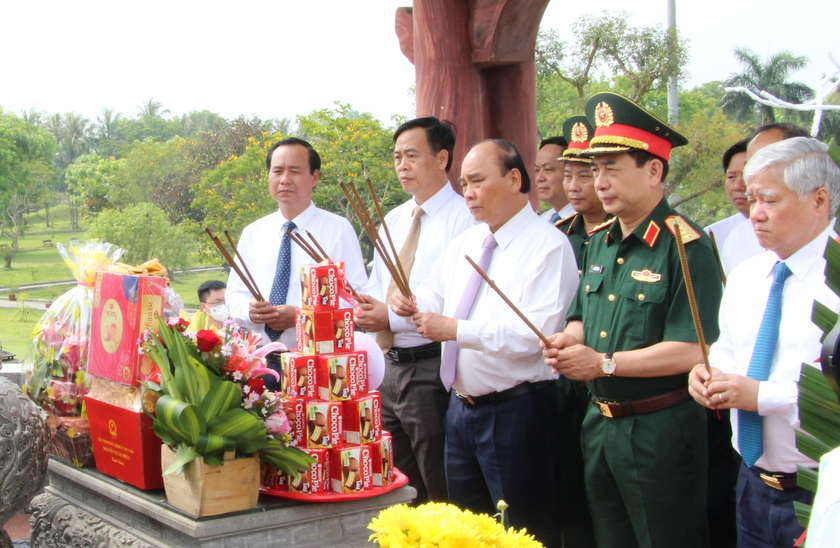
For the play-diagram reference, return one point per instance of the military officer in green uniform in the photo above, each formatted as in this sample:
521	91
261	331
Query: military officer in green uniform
573	396
579	186
630	335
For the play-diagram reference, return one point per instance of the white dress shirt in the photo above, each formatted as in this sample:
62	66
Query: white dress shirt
446	215
740	245
721	229
824	527
534	265
260	246
741	311
565	212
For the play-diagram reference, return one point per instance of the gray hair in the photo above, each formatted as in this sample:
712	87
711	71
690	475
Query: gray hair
807	167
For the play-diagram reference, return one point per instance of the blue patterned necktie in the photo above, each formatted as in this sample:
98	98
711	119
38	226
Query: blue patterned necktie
750	425
449	360
555	217
280	287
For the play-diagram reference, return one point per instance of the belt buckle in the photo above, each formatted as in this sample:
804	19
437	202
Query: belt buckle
772	481
604	408
393	355
465	397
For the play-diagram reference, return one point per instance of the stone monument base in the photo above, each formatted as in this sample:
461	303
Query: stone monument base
84	508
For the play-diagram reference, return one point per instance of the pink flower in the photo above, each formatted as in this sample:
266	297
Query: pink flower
278	423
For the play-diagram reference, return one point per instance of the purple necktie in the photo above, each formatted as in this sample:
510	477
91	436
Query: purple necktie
449	361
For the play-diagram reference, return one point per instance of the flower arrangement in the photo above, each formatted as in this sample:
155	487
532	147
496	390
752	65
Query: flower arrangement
444	526
212	399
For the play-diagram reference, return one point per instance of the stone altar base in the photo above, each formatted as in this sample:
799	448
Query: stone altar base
84	508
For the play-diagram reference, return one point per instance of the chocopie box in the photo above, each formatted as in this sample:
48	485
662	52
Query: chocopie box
272	478
300	376
123	307
383	460
125	444
324	331
319	286
347	375
351	469
313	480
323	424
363	419
296	413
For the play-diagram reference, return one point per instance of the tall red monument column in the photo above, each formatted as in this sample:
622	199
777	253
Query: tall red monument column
474	64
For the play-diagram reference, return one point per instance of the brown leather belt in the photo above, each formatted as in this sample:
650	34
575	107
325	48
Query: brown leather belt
615	409
782	481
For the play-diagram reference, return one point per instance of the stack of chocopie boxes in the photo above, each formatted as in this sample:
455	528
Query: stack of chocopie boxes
335	419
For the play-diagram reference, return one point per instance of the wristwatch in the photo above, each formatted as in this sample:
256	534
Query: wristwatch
608	365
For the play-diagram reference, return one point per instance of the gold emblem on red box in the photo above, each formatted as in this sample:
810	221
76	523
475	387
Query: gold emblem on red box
603	115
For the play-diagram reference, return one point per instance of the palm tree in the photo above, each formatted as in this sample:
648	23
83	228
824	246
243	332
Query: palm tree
152	109
108	123
771	76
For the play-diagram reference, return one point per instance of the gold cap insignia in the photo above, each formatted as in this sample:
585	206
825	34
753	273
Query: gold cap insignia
579	133
603	115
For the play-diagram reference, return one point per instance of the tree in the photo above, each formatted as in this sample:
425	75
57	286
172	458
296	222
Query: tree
145	232
26	153
90	180
771	76
152	109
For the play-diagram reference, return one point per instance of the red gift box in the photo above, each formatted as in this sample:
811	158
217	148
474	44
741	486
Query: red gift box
351	469
272	478
300	374
314	480
323	424
324	332
123	307
319	286
383	460
125	444
343	376
297	422
363	419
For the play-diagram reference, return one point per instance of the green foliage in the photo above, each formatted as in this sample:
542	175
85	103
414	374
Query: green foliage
145	232
90	180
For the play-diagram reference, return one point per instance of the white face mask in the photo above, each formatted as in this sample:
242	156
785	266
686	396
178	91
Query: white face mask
220	313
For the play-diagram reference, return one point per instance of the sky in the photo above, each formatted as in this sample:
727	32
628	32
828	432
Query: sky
279	59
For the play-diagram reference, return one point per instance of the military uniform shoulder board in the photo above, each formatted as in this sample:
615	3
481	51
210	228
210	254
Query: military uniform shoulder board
603	225
570	220
686	230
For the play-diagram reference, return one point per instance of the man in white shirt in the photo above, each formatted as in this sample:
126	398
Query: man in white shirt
414	401
549	178
794	189
742	243
734	160
274	260
502	423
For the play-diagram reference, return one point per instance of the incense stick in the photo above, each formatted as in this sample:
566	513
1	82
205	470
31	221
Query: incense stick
245	280
241	260
717	255
692	299
509	303
325	256
397	261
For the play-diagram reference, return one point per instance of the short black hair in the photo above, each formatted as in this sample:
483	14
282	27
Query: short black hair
314	158
509	158
789	131
737	148
440	134
208	286
642	157
558	140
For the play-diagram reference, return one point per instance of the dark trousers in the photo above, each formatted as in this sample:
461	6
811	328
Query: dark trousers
414	404
646	477
272	384
507	451
573	400
724	464
766	517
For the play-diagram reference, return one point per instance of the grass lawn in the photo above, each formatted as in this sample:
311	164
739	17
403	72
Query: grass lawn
15	331
186	285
